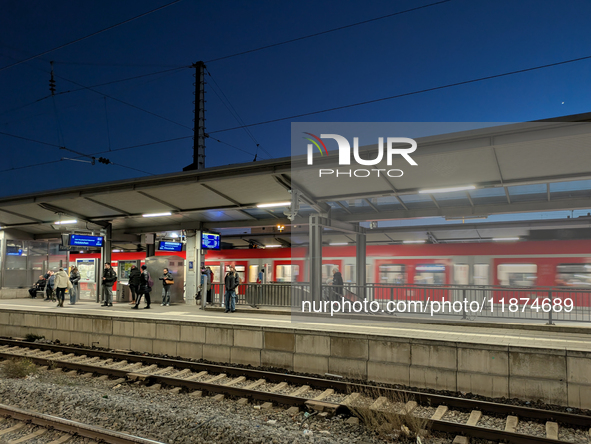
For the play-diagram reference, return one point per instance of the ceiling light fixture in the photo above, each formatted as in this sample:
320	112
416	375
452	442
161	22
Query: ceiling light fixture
447	190
414	241
276	204
65	222
156	214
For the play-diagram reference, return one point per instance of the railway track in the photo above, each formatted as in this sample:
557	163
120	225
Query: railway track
466	418
19	426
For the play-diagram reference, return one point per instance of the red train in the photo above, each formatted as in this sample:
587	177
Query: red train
516	264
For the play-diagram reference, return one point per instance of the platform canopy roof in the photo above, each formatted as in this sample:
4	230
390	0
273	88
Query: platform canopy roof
518	168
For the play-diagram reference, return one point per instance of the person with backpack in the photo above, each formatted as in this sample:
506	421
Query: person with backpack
146	284
167	281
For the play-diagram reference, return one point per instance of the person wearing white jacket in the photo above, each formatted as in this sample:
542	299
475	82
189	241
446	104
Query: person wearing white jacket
62	281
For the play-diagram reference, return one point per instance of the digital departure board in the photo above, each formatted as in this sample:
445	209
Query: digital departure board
81	240
170	246
210	241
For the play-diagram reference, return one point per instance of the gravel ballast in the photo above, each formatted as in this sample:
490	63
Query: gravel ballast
170	418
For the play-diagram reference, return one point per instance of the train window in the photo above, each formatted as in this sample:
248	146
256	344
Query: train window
517	275
287	273
253	273
240	269
327	272
461	274
351	273
573	275
392	274
215	269
430	274
480	274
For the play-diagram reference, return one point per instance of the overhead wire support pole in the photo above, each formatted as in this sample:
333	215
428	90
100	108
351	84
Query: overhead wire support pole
199	121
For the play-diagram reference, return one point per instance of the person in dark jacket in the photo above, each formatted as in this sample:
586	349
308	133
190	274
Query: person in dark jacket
144	288
134	283
74	279
231	282
166	276
39	286
109	278
337	282
50	279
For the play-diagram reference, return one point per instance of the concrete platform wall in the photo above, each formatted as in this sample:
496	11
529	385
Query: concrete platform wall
554	376
14	293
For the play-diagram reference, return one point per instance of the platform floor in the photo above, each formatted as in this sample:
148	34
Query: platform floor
565	336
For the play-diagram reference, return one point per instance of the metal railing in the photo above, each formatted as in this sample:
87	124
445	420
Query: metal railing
464	302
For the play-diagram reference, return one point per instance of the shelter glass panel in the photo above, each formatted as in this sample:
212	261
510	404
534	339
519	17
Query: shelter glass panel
16	264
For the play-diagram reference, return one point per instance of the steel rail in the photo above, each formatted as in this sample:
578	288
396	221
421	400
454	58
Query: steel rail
72	427
344	387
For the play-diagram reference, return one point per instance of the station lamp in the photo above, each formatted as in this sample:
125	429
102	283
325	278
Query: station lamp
276	204
447	190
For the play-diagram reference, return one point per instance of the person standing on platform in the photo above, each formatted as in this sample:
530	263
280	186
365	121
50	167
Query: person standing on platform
134	283
261	277
167	281
74	279
209	272
231	282
109	278
337	282
145	288
62	282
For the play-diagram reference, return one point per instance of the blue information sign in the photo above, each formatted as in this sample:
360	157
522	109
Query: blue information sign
81	240
210	241
170	246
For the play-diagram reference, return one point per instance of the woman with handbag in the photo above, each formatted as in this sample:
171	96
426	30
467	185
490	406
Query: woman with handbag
167	281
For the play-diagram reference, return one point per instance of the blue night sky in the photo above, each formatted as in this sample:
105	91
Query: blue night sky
445	43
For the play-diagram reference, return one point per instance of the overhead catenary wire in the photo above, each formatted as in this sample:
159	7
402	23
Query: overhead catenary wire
397	96
235	114
90	35
328	31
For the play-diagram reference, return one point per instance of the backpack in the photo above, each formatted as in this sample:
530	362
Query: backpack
150	281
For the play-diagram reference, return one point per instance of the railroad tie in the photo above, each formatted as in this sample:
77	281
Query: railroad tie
182	373
378	403
439	413
294	410
461	440
254	384
164	370
242	401
349	400
474	417
175	390
14	428
29	436
511	424
149	368
278	387
325	394
552	430
196	376
409	407
196	394
267	406
62	439
215	378
235	381
300	391
219	397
